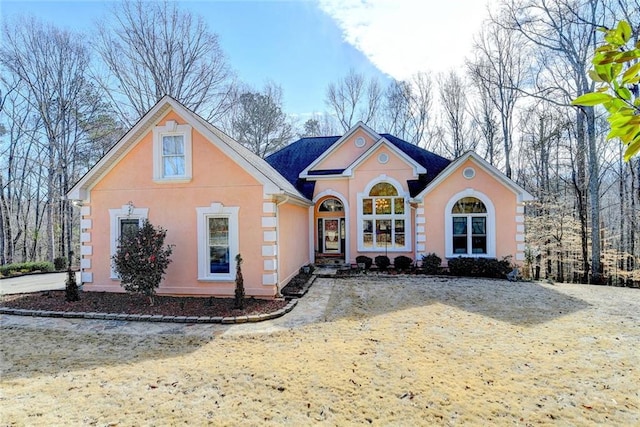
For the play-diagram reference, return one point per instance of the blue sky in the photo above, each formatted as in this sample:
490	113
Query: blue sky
306	44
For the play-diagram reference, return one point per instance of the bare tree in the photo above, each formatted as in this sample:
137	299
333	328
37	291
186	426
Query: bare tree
485	120
259	122
499	69
50	66
397	109
453	99
152	49
407	108
353	99
564	33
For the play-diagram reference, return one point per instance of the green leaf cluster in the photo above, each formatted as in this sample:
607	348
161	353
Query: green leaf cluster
141	259
616	69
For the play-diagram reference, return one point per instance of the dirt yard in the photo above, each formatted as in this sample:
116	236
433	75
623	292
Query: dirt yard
386	351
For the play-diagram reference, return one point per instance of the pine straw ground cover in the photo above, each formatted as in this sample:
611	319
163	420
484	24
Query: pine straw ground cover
386	351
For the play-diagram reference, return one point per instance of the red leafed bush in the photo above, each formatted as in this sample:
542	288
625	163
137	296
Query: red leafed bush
142	259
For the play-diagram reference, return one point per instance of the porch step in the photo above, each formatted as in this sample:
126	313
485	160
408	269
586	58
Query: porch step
329	261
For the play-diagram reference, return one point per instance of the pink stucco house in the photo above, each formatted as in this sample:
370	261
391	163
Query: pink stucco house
338	197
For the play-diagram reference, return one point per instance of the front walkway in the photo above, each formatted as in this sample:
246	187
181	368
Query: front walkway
310	309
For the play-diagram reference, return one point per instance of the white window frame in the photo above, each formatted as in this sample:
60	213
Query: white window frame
171	128
216	210
392	217
115	216
490	225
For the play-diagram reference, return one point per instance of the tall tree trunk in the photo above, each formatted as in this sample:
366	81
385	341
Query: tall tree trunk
594	194
7	238
579	182
50	205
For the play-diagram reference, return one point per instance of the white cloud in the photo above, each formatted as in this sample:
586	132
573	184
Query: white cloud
402	37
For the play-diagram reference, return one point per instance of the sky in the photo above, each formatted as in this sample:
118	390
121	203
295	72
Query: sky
303	45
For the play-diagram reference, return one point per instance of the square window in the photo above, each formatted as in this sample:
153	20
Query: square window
383	206
460	245
383	232
367	206
479	225
479	244
128	226
398	206
459	226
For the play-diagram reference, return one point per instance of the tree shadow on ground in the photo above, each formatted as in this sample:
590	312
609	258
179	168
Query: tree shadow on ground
29	352
519	303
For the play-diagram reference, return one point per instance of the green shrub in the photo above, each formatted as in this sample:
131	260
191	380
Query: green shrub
382	262
26	267
60	263
480	267
402	263
363	259
141	260
431	263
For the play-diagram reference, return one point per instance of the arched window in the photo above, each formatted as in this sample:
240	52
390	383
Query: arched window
384	219
331	205
469	227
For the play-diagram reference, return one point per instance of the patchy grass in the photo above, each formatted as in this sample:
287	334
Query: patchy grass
387	351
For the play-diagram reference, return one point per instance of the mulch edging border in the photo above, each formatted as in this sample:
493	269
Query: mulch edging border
290	295
153	318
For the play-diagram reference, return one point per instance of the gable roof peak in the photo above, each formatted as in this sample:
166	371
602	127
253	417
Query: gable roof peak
274	182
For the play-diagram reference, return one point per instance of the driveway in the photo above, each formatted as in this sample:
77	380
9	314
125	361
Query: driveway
34	283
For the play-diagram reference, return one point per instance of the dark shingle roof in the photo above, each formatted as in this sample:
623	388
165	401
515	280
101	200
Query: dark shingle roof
294	158
433	163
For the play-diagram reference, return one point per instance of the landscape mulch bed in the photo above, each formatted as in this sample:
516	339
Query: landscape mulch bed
122	303
297	286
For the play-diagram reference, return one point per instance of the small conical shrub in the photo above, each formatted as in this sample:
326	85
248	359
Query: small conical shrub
239	299
71	292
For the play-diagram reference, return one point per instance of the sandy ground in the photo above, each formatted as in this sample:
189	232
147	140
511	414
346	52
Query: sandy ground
391	351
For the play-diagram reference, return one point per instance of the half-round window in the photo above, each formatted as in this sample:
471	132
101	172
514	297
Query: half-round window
331	205
468	205
383	189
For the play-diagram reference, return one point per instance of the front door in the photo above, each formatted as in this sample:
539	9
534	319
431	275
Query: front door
331	235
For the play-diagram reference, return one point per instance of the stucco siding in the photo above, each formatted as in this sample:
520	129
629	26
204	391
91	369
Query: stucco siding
216	179
503	200
293	241
347	152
